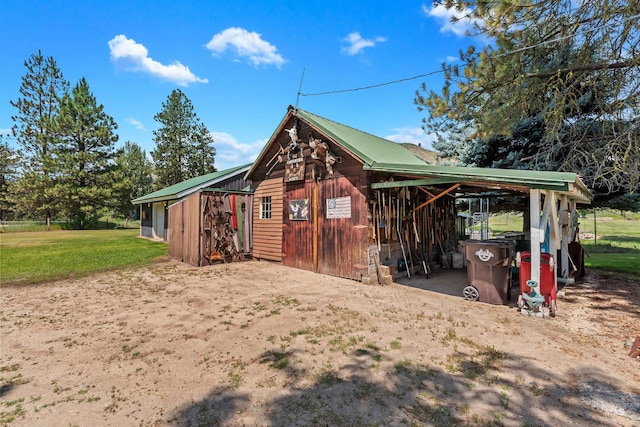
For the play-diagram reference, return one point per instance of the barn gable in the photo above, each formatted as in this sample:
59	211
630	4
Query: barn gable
312	191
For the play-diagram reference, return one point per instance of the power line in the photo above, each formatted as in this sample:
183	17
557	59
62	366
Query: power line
374	86
431	73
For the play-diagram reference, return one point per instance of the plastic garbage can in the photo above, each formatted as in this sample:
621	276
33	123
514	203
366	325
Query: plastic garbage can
489	269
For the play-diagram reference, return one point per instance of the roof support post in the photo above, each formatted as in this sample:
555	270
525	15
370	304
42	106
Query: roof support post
565	230
554	233
536	233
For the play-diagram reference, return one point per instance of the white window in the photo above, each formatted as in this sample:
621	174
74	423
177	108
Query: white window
265	208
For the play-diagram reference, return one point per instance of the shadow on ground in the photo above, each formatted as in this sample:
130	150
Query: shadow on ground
369	390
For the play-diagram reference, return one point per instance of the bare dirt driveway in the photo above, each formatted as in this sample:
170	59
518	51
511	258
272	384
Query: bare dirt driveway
257	343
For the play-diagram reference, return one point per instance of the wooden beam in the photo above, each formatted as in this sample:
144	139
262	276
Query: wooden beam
443	193
424	190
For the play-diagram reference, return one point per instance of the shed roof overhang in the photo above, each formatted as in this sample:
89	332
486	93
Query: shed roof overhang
486	180
184	188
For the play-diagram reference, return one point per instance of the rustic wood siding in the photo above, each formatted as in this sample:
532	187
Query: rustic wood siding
191	218
343	243
267	233
297	245
176	232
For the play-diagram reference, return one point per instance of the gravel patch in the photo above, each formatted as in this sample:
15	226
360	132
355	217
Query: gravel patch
612	402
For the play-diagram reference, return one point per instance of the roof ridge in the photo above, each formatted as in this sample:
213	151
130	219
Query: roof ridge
347	126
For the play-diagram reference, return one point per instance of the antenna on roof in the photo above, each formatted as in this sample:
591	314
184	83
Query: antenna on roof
299	90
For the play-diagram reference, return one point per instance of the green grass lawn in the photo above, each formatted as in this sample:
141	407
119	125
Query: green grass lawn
36	257
616	248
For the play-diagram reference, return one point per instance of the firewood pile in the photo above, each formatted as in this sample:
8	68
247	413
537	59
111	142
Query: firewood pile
220	239
635	348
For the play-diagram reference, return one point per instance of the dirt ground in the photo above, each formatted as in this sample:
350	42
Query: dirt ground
257	343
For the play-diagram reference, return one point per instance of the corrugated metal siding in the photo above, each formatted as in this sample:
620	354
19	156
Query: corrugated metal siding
236	183
343	243
267	233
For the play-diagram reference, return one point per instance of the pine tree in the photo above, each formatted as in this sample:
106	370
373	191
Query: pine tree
38	106
556	89
184	146
8	173
87	157
135	171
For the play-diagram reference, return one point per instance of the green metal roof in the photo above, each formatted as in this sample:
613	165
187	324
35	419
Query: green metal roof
189	186
381	155
371	149
559	181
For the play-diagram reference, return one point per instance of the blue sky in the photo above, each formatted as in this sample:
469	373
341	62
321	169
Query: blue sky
239	62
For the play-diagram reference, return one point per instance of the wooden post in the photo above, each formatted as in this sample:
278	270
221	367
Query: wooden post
316	209
536	233
565	231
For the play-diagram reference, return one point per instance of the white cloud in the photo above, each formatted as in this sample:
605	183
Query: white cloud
247	45
414	135
355	43
135	123
5	132
464	22
230	152
135	57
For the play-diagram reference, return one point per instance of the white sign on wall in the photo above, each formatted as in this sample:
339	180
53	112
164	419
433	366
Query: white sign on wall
339	208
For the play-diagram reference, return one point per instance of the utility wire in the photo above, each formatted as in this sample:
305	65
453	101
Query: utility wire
431	73
374	86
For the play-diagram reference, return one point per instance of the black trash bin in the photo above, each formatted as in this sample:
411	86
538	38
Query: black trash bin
489	269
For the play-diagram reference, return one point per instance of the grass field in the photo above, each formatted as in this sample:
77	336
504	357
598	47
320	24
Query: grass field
41	256
612	241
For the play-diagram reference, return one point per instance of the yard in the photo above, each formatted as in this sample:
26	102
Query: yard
257	343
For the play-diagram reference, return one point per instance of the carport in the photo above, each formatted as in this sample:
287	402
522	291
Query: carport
552	201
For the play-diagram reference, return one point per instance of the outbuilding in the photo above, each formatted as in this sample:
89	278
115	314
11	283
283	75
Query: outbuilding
154	218
335	200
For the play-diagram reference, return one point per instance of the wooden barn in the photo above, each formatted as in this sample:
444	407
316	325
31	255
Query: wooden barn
338	201
314	205
154	218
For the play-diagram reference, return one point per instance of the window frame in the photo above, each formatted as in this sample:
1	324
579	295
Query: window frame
266	207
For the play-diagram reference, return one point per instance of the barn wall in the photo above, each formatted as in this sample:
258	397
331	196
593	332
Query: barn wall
175	231
267	233
297	244
343	242
191	236
335	246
